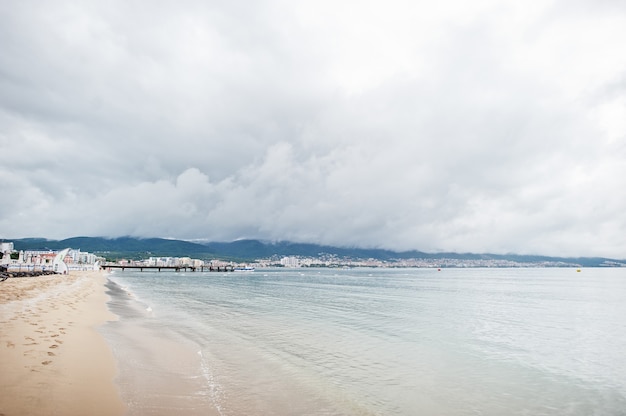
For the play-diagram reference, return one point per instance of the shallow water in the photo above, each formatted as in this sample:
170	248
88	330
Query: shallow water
371	342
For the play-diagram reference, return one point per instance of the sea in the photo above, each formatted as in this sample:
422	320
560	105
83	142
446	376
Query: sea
320	341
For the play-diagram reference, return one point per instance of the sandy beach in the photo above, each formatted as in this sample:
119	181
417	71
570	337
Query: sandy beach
52	359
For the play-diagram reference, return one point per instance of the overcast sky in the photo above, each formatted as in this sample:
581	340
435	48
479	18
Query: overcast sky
474	126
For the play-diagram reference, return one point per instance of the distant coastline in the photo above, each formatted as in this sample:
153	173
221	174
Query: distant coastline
288	254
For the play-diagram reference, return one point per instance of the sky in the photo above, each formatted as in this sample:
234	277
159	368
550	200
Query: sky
486	126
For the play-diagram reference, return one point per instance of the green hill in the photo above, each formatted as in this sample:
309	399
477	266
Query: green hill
247	250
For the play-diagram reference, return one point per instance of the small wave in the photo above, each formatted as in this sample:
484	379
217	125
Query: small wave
214	389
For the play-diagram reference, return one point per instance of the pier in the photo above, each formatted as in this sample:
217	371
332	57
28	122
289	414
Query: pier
169	268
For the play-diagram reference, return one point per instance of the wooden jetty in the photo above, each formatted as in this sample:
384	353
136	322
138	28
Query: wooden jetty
123	267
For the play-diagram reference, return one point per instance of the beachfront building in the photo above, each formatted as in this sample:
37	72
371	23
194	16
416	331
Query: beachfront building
6	247
39	257
6	258
184	261
197	263
82	257
217	263
44	259
160	262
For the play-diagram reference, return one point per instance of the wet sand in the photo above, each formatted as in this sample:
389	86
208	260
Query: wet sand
160	372
52	359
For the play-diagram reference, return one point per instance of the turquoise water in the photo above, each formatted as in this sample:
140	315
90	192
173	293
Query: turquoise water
371	342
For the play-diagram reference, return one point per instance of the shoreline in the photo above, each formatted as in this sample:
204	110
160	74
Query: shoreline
54	360
160	371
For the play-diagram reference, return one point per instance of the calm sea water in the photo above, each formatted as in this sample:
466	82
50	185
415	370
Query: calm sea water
371	342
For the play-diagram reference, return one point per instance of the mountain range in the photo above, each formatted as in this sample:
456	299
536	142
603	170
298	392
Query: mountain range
248	250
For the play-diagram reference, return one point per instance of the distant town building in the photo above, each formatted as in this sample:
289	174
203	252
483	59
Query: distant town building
290	261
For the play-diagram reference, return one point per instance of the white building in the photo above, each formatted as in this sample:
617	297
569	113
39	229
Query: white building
81	257
183	261
290	261
6	247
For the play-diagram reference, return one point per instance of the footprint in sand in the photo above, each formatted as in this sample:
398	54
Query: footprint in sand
53	346
46	362
10	344
51	354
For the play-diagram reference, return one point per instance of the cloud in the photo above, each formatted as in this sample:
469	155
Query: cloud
407	125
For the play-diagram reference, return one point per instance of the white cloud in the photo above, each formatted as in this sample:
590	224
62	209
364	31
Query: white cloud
482	126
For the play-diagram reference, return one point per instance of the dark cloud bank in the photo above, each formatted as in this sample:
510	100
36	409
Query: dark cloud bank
460	127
